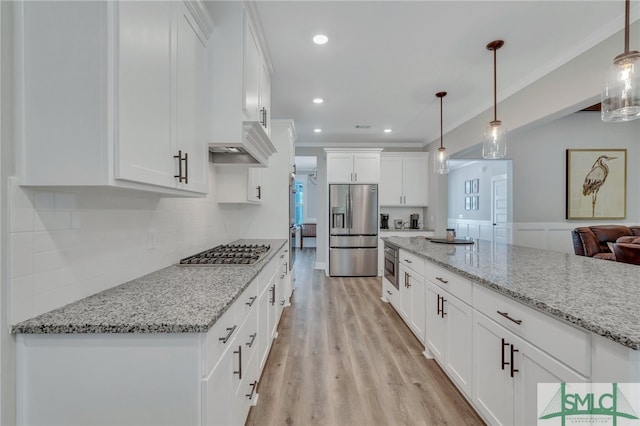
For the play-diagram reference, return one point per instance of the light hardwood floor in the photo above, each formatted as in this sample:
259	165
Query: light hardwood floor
343	357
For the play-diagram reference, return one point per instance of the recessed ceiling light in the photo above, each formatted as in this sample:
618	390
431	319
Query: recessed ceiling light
320	39
387	130
317	130
318	100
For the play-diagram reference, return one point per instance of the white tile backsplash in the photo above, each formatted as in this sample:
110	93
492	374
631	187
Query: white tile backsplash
66	245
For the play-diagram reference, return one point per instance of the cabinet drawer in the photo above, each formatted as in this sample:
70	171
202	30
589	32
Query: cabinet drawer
569	344
221	336
411	261
454	284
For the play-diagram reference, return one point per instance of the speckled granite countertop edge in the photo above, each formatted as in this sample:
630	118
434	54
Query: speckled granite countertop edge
533	303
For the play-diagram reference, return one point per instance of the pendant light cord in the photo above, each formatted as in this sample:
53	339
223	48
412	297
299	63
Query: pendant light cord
441	121
627	6
495	86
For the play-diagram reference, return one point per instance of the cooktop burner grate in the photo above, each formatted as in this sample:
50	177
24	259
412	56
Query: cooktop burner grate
228	254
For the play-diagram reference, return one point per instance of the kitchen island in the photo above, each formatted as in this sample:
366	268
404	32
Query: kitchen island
600	296
501	319
182	345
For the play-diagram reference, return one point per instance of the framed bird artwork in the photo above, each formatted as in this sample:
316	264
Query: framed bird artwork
596	184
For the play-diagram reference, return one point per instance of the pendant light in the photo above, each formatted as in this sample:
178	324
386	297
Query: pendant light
441	159
494	145
621	93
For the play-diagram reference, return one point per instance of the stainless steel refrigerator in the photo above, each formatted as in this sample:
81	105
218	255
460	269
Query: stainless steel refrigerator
353	230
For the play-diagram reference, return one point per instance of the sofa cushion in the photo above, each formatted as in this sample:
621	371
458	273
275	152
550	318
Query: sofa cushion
627	253
630	239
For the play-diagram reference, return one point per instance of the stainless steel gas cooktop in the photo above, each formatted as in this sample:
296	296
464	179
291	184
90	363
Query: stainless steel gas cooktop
228	254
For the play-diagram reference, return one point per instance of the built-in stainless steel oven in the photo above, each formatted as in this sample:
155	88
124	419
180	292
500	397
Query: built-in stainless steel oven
391	264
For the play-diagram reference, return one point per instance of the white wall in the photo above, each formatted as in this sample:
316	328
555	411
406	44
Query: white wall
538	168
67	244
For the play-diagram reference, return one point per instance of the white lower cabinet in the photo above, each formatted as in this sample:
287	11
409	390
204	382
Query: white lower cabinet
154	378
494	349
449	330
412	294
507	372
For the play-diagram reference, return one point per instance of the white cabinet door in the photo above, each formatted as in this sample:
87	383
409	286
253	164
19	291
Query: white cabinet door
144	148
435	336
339	168
191	136
493	386
239	184
251	76
391	179
418	308
366	168
458	334
405	294
254	187
414	181
265	98
535	366
216	393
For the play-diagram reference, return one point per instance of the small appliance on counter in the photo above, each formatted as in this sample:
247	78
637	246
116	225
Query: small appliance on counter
413	221
384	221
397	223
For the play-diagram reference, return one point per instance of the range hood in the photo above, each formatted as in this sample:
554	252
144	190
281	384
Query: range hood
254	149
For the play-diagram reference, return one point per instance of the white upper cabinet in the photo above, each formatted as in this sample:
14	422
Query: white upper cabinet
403	179
241	73
353	166
111	95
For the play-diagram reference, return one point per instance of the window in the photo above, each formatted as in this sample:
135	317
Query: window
299	203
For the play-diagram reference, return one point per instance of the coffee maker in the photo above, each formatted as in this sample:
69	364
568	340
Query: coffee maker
384	221
413	221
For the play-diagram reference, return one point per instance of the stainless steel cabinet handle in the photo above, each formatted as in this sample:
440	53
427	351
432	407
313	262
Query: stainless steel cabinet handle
239	372
439	309
502	350
408	280
180	159
273	294
401	199
506	315
253	389
282	303
408	261
513	369
442	312
253	339
389	293
228	336
442	280
356	176
251	300
186	167
259	189
351	177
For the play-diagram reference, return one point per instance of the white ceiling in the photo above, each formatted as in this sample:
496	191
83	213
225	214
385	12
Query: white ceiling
385	60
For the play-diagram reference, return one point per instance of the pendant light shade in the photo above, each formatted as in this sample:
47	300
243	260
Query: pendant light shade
494	145
621	93
441	159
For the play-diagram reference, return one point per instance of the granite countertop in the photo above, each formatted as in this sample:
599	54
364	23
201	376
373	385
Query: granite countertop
598	295
176	299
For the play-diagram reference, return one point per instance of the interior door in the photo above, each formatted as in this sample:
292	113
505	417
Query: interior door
363	210
499	208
